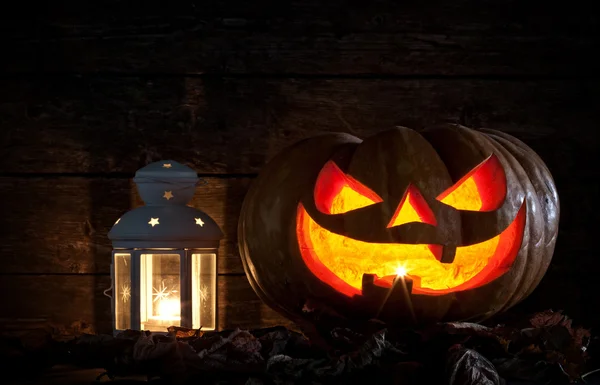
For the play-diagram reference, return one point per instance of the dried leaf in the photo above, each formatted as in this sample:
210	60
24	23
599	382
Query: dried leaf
458	327
131	334
238	351
274	342
149	348
373	349
531	349
294	368
526	370
547	318
181	332
373	352
159	356
550	319
551	349
467	367
557	337
581	337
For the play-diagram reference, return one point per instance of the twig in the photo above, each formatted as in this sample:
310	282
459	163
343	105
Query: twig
583	376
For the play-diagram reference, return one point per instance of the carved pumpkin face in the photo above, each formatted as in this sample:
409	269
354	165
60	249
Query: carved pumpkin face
341	261
470	216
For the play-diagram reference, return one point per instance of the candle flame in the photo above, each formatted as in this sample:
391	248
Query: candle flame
401	271
168	310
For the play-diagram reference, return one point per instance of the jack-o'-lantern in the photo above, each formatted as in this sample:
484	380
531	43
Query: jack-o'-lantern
467	218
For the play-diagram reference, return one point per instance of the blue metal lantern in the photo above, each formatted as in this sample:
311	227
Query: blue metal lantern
164	267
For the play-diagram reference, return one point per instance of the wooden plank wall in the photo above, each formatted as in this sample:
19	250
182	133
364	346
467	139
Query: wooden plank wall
91	91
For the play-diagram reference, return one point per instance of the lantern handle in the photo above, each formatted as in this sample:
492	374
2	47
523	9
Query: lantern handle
107	290
112	283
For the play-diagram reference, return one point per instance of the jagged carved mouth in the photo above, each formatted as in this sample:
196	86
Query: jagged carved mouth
341	262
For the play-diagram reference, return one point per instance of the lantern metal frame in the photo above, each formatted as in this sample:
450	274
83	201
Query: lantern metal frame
185	285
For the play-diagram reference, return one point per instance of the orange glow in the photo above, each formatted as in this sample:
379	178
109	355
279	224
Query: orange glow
412	208
338	193
482	189
341	261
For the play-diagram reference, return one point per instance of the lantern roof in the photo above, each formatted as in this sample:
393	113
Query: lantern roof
174	226
166	221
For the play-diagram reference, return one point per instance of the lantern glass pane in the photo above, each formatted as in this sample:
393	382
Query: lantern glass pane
160	281
204	290
122	290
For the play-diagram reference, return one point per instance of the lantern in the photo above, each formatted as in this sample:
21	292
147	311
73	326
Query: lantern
468	218
164	260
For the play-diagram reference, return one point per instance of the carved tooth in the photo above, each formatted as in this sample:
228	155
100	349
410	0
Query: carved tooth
448	254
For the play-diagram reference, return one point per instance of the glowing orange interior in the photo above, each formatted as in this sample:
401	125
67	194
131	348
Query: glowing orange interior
341	261
412	208
482	189
338	193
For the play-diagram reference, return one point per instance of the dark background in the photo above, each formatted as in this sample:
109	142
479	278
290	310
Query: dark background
91	91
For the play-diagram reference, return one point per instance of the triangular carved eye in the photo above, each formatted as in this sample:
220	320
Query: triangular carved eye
412	208
338	193
482	189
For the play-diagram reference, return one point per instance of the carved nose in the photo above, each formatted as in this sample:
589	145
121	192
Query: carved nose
412	208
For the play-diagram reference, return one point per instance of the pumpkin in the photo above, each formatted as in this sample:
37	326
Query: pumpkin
466	220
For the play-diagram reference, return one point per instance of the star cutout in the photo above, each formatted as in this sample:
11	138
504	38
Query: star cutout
125	293
168	195
161	293
199	221
118	220
204	292
167	165
153	222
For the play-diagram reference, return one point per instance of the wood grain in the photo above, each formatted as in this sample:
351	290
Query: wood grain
75	298
60	225
225	85
69	124
309	37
